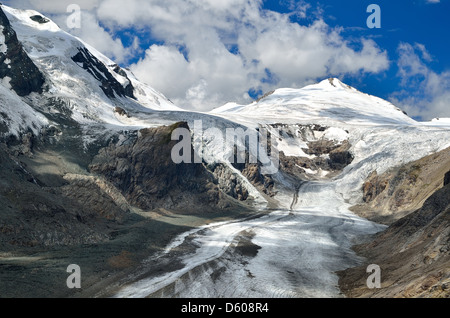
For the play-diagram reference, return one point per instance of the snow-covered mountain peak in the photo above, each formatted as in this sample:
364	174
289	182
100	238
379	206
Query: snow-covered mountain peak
328	100
32	18
85	83
333	83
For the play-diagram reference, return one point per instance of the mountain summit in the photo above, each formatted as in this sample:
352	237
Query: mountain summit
329	100
58	70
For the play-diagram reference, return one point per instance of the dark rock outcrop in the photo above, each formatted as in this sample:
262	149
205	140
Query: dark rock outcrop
141	167
16	64
329	156
373	187
36	216
121	111
447	178
228	182
339	153
340	157
252	172
110	86
39	19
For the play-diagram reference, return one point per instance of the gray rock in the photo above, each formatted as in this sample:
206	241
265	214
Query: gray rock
447	178
25	76
143	170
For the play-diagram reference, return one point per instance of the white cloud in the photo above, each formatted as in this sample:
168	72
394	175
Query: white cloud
228	46
263	40
92	33
426	93
52	6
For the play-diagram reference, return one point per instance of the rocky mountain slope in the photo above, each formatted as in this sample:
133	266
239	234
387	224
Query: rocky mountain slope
414	252
141	167
403	189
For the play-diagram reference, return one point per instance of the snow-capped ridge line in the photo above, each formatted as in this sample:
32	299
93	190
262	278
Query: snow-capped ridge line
53	49
328	100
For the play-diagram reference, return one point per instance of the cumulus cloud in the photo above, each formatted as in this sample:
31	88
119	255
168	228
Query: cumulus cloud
426	93
210	52
94	34
51	6
90	29
229	47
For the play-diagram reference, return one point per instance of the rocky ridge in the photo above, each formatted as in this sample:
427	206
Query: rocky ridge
15	66
414	251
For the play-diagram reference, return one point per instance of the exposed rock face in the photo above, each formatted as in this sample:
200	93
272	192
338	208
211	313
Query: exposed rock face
401	190
339	155
121	111
229	183
33	215
15	65
252	172
323	157
40	19
373	187
103	199
330	156
141	167
413	254
110	86
447	178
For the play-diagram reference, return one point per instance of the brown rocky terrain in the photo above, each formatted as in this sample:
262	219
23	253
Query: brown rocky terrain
414	251
402	190
330	156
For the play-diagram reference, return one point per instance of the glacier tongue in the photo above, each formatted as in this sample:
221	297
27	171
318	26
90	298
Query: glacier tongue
309	237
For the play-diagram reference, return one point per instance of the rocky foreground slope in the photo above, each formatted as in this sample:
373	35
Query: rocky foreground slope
414	252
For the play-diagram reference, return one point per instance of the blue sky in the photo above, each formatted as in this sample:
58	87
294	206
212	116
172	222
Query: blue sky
204	53
402	22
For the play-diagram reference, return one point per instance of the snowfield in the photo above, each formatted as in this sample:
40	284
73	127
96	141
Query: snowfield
52	49
327	102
